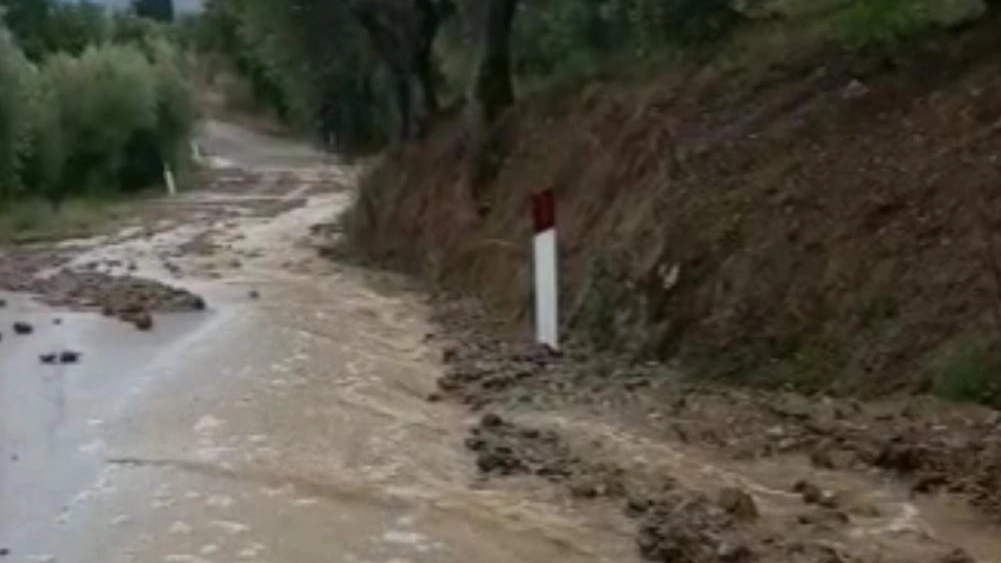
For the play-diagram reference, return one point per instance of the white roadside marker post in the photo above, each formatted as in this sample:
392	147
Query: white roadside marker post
196	153
545	268
168	178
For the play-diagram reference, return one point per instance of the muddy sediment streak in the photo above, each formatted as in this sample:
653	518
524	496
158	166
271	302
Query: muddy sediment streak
833	450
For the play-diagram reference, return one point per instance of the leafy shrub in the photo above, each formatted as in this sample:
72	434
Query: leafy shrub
104	97
18	82
102	121
972	372
562	36
42	27
873	22
166	141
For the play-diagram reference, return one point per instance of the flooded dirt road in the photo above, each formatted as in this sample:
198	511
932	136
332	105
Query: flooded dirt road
285	423
202	387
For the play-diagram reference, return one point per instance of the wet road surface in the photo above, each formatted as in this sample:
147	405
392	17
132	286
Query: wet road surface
286	428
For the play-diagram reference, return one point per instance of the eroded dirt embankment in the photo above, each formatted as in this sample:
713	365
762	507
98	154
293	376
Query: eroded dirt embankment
824	225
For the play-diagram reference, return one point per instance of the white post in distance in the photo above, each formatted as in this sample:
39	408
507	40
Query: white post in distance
545	269
168	178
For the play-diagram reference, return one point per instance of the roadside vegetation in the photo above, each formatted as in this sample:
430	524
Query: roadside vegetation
93	105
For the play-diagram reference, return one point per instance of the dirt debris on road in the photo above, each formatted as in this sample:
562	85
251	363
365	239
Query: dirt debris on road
675	523
928	445
75	289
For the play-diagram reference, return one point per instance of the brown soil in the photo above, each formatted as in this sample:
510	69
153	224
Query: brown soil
42	272
825	225
126	296
933	447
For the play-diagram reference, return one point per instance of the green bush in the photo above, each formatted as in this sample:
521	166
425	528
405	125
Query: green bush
43	27
103	121
18	82
880	22
972	372
104	98
564	37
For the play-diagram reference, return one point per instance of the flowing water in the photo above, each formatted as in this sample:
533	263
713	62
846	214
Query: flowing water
286	426
288	423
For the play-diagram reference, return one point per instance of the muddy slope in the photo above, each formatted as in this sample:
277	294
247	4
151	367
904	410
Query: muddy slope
809	224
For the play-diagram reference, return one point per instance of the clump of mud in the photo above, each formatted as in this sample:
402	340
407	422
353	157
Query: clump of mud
505	449
115	295
932	445
673	524
928	444
685	527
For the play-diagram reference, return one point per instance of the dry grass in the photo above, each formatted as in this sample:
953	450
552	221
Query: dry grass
36	220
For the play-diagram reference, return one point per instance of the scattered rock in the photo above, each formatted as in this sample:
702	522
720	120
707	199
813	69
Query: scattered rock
435	398
491	420
142	320
738	503
811	493
902	457
825	519
3	303
4	552
64	357
22	328
734	552
637	506
57	321
681	528
833	458
69	357
829	499
930	483
254	294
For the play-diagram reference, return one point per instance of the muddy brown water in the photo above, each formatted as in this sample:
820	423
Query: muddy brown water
289	426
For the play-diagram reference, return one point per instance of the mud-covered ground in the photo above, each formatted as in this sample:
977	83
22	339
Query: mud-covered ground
712	473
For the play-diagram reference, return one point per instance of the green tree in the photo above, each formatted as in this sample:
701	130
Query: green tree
160	10
28	21
46	26
17	94
491	90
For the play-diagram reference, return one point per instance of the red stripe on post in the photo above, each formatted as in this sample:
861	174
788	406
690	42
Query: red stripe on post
544	210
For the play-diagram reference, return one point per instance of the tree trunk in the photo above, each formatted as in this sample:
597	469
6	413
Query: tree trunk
407	52
429	20
405	106
491	91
